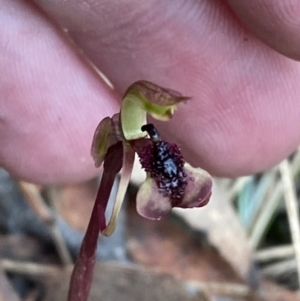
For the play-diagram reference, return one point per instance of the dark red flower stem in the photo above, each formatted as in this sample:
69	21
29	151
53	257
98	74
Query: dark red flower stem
82	275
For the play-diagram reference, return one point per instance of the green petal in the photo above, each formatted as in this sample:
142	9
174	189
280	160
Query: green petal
106	134
128	160
144	97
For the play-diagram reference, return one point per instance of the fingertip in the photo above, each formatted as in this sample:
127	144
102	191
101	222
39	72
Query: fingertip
276	23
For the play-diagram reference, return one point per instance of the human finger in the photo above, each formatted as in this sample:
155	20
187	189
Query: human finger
50	99
243	117
276	23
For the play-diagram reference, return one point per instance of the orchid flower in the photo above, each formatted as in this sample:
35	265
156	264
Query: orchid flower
171	182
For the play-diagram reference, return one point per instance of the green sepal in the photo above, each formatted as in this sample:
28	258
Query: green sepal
106	134
143	97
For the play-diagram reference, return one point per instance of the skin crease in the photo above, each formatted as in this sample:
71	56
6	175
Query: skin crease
244	115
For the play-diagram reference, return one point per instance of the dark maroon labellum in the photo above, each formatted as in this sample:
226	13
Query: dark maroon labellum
164	162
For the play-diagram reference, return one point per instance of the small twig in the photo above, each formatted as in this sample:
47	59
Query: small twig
37	203
295	163
280	268
262	192
292	209
266	213
35	200
224	289
30	268
237	186
271	204
274	253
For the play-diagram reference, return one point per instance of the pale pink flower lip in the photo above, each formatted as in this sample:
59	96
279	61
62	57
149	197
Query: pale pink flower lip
152	204
171	182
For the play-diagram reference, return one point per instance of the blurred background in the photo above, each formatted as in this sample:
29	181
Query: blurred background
244	245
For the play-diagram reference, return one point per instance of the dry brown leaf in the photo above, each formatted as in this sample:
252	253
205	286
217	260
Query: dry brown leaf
170	247
116	282
224	231
74	203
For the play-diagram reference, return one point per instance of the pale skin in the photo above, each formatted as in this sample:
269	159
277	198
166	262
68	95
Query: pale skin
233	58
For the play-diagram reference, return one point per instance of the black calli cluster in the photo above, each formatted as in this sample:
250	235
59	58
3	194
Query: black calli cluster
164	162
